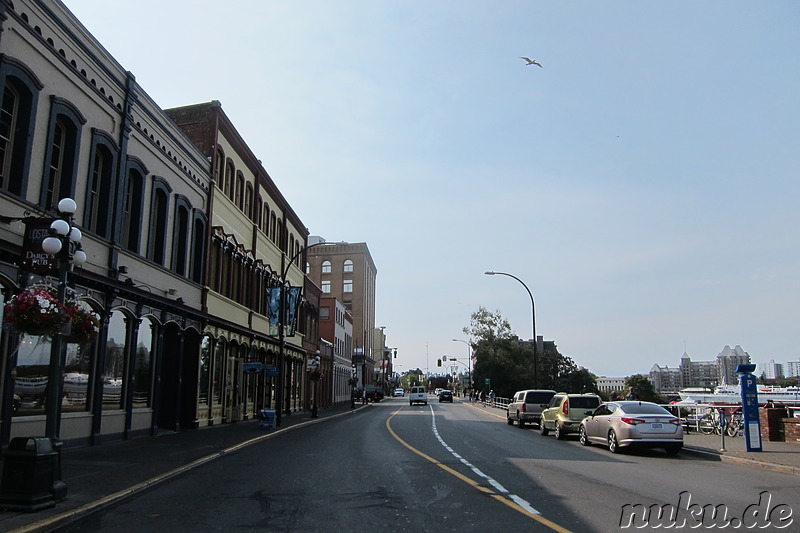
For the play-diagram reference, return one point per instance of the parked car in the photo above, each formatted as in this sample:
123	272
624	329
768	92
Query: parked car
417	395
565	413
446	396
527	406
399	392
622	424
374	395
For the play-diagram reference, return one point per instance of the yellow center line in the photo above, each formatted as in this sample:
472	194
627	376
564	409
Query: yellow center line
500	498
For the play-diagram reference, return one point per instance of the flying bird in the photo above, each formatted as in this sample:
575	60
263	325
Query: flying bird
529	61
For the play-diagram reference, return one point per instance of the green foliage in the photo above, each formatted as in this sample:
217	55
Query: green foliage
507	361
643	388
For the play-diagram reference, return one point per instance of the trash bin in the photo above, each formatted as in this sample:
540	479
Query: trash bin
31	475
267	418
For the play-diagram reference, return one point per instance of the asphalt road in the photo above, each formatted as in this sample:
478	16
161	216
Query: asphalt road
443	467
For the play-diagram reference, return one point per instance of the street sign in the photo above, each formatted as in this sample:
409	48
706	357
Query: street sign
252	368
271	371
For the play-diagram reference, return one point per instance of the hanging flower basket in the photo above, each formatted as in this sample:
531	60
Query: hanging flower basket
315	375
84	324
35	311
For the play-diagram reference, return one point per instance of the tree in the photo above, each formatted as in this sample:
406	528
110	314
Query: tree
643	388
507	362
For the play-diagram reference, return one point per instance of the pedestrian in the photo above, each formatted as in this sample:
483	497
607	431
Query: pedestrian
491	397
632	395
483	397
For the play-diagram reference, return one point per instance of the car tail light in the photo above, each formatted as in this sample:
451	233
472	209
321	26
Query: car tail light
675	421
632	421
523	408
565	408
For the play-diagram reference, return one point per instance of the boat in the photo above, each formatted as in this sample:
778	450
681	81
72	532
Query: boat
731	395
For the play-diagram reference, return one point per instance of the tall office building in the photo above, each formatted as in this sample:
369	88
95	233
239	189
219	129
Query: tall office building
348	273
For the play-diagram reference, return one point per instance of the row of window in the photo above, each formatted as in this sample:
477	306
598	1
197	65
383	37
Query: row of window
347	267
115	205
232	183
347	285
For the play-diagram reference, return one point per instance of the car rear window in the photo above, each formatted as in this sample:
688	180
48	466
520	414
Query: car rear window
644	409
538	397
581	402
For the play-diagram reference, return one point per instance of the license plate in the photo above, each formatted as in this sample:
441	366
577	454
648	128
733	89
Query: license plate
656	426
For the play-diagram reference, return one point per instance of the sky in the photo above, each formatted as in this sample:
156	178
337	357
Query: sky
643	183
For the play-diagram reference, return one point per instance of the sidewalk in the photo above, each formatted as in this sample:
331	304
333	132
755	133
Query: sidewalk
781	457
98	476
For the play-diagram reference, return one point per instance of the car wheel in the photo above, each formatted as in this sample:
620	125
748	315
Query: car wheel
542	429
613	443
559	432
584	438
673	449
520	421
509	420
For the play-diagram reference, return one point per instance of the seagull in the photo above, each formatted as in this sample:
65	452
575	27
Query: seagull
529	61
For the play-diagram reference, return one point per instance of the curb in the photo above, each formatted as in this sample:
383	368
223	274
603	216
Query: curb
705	452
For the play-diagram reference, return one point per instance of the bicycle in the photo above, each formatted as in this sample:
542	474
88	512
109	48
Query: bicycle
709	423
735	425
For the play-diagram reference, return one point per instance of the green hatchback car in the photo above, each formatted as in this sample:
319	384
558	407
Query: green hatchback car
565	412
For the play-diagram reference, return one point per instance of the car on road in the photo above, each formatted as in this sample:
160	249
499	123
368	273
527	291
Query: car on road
446	396
527	406
417	395
619	425
399	392
565	413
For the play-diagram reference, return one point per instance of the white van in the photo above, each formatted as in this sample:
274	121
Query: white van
417	395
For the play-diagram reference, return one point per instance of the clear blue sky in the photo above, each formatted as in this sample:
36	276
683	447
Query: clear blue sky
643	183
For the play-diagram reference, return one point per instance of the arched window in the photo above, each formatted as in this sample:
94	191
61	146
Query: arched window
273	227
100	191
228	186
204	372
326	267
219	170
113	371
142	381
159	205
198	247
181	236
62	153
248	202
239	193
133	204
348	265
216	371
17	112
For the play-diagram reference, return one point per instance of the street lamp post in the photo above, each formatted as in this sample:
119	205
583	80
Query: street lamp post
65	244
469	359
282	336
533	321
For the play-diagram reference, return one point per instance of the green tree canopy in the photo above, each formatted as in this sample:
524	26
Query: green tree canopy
507	361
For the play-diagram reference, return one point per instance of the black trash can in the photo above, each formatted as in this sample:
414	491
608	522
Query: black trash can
31	475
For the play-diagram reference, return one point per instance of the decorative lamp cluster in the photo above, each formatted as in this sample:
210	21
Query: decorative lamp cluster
61	228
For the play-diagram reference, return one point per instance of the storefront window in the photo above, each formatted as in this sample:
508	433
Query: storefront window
114	370
216	375
143	365
30	375
205	370
77	373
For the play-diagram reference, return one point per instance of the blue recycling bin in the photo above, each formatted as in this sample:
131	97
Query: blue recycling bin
267	418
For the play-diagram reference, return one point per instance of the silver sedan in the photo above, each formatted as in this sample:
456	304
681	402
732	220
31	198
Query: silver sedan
632	423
